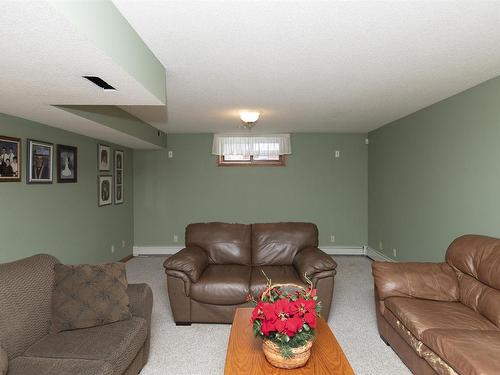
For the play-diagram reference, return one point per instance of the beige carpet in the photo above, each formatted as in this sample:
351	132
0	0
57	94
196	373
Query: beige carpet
201	348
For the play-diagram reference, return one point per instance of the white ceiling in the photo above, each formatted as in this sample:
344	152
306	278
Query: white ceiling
43	57
318	66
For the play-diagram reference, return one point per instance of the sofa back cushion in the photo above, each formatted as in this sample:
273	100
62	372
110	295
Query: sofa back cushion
224	243
477	262
25	301
88	295
277	243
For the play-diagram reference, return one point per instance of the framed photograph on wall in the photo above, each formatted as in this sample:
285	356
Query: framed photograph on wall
10	159
104	190
118	176
104	158
67	164
39	165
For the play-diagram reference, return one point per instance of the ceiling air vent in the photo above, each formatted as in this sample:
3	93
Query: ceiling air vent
99	82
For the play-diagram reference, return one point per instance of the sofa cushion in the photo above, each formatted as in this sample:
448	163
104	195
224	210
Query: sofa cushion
277	243
419	315
116	343
476	256
222	285
224	243
468	352
25	302
434	281
277	274
480	297
89	295
417	345
58	366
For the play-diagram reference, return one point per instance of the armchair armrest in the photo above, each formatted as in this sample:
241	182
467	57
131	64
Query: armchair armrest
141	300
433	281
191	261
313	261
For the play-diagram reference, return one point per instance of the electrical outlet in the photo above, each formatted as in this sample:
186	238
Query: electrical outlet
123	243
380	245
170	154
176	238
112	249
332	238
395	252
337	154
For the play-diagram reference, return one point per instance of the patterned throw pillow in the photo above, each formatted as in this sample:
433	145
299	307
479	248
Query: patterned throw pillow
89	295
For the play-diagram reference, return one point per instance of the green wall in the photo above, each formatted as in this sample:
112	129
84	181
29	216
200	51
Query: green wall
435	175
63	219
314	186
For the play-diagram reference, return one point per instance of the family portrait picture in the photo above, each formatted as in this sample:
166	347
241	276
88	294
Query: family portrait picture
104	157
118	177
40	155
66	164
10	159
104	190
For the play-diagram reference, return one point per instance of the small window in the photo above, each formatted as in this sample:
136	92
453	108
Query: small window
228	160
250	150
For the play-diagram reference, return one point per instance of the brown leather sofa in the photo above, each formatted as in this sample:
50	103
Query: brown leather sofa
444	318
222	264
27	348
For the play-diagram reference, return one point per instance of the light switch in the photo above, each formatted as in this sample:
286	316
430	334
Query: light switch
170	154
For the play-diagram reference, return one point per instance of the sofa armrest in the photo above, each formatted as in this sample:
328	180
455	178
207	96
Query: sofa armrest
141	300
312	261
191	260
4	361
433	281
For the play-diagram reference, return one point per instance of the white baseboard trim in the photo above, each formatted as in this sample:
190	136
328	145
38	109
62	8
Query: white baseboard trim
343	250
168	250
377	255
156	250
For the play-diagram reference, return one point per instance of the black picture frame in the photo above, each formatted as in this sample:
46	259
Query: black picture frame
10	148
103	158
39	152
67	172
102	199
118	176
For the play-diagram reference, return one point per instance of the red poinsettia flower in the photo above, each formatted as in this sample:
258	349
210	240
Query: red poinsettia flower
258	312
303	306
269	311
293	324
310	319
282	308
267	327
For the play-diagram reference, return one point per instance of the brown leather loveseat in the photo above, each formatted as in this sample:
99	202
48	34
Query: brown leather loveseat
222	264
444	317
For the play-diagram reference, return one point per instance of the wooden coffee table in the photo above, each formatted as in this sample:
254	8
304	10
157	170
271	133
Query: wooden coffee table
245	356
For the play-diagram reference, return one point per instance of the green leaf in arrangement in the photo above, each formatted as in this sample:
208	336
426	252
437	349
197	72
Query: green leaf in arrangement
286	352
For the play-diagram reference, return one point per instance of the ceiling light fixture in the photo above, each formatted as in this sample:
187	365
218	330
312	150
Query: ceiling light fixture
249	118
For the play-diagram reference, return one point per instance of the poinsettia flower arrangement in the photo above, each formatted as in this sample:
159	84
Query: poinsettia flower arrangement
286	318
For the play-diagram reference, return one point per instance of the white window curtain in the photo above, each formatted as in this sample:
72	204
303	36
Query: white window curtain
252	144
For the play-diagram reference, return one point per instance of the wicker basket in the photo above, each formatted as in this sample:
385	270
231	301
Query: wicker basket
274	357
273	351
